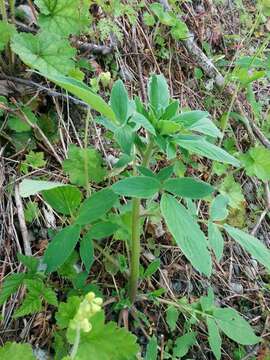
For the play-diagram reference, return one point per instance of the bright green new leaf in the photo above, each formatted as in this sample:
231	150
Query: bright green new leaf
187	234
151	349
87	251
13	350
188	187
45	52
218	209
235	326
172	315
168	127
61	247
125	138
83	92
34	160
251	244
165	173
207	127
233	191
137	186
158	92
180	30
30	262
96	206
107	341
63	17
151	268
171	110
257	163
202	147
215	240
84	166
65	199
183	344
119	101
67	311
214	338
30	305
30	187
7	31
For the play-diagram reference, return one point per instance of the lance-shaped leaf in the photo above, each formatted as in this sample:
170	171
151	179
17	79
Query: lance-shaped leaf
61	247
158	92
119	101
187	234
251	244
188	187
215	239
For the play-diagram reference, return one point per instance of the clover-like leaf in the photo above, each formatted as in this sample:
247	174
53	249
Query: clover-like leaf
257	163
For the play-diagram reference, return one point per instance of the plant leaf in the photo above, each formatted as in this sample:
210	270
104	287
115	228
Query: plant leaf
65	199
102	229
218	209
46	52
141	120
187	234
30	305
151	349
87	251
215	240
137	186
10	285
119	101
30	187
83	92
83	166
7	31
257	163
202	147
61	247
172	315
183	344
63	17
125	138
188	187
96	206
234	326
12	350
158	92
30	262
251	244
214	338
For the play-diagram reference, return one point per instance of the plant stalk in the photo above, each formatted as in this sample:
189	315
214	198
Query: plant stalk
76	344
3	10
135	250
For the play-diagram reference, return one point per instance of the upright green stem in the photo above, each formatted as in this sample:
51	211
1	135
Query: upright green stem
86	134
3	10
76	344
135	249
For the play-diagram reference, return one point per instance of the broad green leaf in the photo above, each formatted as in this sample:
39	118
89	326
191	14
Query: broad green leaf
119	101
32	187
188	187
235	326
208	302
7	31
187	234
49	296
65	199
251	244
17	124
61	247
151	349
172	315
137	186
63	17
10	285
12	350
218	209
214	338
171	110
30	305
87	251
158	92
183	344
83	92
30	262
215	240
202	147
96	206
46	52
233	191
180	30
141	120
189	118
102	229
125	138
207	127
107	341
257	163
146	172
84	166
